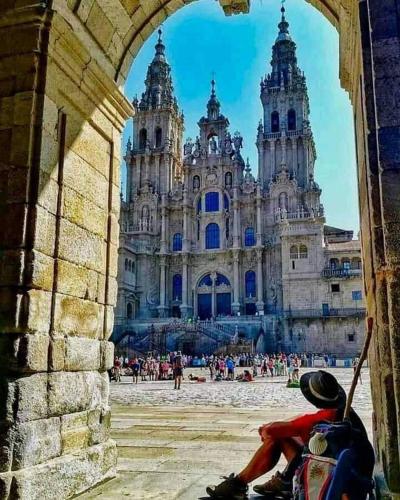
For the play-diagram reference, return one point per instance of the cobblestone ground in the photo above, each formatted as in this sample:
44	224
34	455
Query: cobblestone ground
173	443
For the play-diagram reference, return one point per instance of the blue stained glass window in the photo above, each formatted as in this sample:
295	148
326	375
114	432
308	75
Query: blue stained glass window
292	119
177	242
226	202
206	281
177	287
249	237
222	280
250	281
212	236
212	202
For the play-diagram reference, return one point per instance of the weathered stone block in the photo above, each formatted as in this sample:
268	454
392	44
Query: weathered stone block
81	246
31	352
74	391
99	422
74	431
107	355
78	317
25	398
82	354
6	447
67	475
77	281
44	231
40	271
57	354
35	442
36	304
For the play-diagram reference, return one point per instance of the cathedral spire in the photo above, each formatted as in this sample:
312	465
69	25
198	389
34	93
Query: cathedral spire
159	92
213	105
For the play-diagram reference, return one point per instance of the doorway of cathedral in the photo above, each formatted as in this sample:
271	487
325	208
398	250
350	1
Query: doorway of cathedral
214	297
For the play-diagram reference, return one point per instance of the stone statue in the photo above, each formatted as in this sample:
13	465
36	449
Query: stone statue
238	141
213	145
188	147
228	143
197	148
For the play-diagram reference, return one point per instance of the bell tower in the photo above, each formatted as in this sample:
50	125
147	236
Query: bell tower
285	141
154	160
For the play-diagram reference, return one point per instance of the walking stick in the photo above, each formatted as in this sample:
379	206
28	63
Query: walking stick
363	357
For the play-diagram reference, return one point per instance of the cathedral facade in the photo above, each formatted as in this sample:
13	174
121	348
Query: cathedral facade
202	238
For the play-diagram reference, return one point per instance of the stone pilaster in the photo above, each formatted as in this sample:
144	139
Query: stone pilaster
260	286
235	303
59	210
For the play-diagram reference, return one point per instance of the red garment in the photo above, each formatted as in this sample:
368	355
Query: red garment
302	426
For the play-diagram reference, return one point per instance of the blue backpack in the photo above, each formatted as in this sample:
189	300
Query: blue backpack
338	459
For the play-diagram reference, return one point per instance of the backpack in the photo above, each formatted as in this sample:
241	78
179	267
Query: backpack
331	464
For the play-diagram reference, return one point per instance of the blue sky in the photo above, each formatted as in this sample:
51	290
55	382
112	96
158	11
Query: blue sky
200	40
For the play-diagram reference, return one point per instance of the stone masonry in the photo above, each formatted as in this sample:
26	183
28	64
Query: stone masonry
62	67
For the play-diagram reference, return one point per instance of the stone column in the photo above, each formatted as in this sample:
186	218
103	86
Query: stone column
185	307
163	243
157	160
260	287
236	219
273	157
294	155
162	308
213	295
235	303
259	220
61	123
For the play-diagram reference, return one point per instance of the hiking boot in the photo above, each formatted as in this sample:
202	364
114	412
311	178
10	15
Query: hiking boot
276	487
231	489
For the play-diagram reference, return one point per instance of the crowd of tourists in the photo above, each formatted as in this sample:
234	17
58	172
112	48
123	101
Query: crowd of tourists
220	367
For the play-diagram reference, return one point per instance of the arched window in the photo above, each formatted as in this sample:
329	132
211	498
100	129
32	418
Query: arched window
158	135
275	121
292	119
228	179
126	264
206	281
356	263
133	267
226	202
249	237
142	138
177	287
212	236
346	264
303	252
212	202
196	183
129	266
222	280
177	242
294	252
129	310
333	264
250	282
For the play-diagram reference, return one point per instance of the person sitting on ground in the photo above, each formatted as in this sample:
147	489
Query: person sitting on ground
323	391
245	377
194	378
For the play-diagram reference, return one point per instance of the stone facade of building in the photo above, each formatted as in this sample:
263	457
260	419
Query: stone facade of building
202	238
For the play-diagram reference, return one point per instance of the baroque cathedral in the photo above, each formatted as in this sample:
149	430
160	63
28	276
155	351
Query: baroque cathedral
202	238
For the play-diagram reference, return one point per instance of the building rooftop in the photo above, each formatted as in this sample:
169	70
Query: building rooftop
344	246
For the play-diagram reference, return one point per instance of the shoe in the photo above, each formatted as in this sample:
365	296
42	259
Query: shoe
275	486
230	489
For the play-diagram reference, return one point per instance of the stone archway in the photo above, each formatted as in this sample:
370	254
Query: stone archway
61	115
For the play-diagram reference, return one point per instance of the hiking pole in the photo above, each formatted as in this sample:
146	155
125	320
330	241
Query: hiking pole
363	357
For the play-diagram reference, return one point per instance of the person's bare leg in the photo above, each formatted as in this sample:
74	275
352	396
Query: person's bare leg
267	456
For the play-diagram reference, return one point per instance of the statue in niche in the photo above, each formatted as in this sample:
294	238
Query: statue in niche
213	145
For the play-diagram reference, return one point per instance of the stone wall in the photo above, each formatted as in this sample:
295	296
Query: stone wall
61	115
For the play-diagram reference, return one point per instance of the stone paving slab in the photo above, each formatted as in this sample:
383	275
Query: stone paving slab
173	447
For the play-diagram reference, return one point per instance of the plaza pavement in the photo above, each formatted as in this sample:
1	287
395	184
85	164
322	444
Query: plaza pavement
171	444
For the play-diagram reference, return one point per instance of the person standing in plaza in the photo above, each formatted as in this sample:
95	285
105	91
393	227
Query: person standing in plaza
231	368
177	367
135	370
